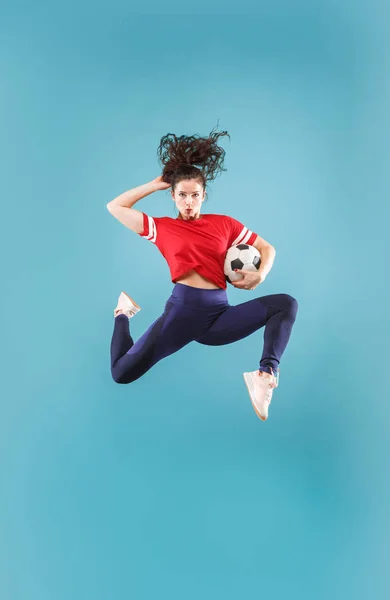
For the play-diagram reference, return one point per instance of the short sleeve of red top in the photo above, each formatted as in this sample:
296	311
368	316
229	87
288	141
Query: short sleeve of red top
200	245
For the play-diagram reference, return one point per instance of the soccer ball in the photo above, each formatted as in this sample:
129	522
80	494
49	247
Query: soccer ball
242	257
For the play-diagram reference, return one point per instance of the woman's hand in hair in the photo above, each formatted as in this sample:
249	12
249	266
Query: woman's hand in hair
160	184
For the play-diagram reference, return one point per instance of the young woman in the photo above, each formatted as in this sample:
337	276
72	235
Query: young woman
194	246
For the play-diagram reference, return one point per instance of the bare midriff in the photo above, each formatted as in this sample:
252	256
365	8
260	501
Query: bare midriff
193	279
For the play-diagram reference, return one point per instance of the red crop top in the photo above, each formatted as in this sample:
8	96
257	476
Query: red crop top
200	244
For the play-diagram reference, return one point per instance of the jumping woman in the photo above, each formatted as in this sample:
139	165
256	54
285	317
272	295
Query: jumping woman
194	246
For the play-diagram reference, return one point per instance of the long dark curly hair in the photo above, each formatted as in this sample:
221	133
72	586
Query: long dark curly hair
191	157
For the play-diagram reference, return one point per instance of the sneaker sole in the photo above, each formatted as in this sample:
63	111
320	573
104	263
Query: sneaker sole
248	383
132	301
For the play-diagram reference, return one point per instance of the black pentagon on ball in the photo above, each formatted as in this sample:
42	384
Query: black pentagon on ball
243	246
236	264
256	262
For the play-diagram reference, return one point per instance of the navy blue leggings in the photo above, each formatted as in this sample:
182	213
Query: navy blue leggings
204	316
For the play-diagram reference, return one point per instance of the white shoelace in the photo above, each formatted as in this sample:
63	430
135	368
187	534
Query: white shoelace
270	389
268	396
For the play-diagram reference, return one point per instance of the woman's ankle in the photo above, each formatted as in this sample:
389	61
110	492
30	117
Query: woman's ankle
266	374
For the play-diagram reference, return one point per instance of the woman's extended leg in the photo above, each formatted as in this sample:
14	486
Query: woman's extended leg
277	312
171	331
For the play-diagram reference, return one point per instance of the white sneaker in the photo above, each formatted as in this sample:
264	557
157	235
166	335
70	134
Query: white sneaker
126	305
260	391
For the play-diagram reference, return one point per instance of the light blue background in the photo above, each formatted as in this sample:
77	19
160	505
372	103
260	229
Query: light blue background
171	487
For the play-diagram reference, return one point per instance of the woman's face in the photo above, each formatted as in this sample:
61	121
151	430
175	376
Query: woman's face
189	196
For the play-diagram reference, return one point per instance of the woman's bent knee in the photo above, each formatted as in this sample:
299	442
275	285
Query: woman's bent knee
122	376
119	377
291	305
